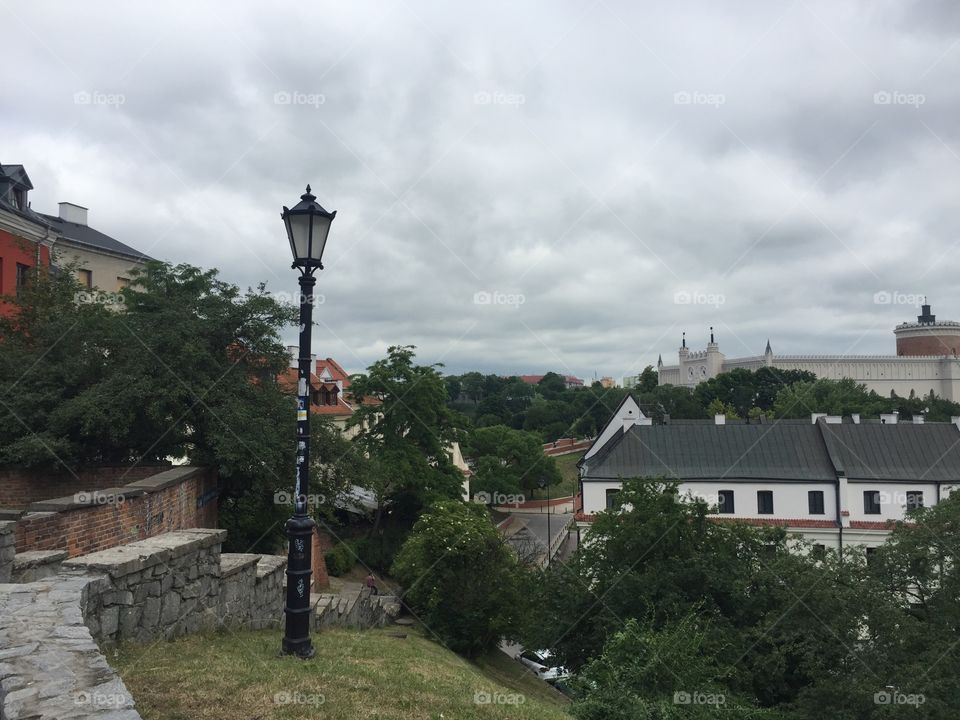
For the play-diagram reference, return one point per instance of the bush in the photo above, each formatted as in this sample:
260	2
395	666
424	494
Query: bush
461	578
340	559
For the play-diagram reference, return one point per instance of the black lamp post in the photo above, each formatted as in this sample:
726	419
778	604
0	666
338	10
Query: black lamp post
307	227
544	484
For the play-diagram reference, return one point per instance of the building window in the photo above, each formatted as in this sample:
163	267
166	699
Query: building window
612	494
725	501
86	278
871	555
19	199
765	502
122	282
871	502
914	499
818	551
23	277
815	502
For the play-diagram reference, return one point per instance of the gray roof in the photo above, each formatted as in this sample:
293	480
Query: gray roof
781	451
86	235
904	451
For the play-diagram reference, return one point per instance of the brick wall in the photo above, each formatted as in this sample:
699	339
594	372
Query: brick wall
175	499
929	345
19	488
321	544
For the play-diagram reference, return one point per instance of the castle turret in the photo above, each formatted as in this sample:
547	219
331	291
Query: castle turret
927	336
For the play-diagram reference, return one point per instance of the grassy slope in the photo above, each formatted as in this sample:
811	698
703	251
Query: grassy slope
567	465
354	675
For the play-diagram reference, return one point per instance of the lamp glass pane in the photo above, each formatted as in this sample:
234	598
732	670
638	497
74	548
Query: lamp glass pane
298	227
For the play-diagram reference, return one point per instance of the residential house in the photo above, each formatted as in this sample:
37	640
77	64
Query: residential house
837	482
103	261
26	238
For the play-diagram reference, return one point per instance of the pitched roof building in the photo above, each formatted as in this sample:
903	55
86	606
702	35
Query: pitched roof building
836	481
26	238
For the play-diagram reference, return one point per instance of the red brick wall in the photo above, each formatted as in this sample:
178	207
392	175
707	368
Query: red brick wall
88	529
15	250
930	345
19	488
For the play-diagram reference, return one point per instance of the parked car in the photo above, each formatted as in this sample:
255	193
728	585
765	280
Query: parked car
540	662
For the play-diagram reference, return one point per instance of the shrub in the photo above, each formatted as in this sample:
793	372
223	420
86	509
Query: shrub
340	559
461	578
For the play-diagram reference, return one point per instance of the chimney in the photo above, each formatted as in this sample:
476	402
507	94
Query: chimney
834	419
720	419
313	363
889	418
918	419
956	421
73	213
816	416
855	417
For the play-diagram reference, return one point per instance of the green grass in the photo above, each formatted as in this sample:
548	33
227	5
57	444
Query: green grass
355	674
567	465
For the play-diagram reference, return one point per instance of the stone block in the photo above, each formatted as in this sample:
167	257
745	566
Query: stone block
109	621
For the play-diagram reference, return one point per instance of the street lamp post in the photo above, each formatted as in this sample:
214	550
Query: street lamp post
545	484
307	225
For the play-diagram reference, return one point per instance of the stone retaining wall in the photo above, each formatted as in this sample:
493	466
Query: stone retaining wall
7	550
160	587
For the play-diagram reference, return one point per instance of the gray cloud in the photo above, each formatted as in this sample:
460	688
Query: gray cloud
595	159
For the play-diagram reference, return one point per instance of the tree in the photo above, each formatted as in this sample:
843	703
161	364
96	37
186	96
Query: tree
183	367
835	397
461	578
552	386
509	461
648	380
407	429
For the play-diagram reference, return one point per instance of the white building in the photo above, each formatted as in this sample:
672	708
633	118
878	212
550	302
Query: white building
835	481
926	361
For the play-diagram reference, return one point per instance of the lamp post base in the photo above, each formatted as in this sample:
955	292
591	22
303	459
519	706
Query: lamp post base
296	635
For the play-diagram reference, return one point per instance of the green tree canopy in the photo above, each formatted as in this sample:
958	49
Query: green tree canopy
509	461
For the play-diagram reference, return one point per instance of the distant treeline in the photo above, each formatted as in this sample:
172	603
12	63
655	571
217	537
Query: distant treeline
552	410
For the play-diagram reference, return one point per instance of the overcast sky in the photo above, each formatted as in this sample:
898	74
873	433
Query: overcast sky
520	187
